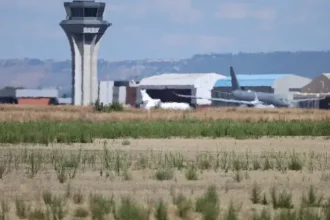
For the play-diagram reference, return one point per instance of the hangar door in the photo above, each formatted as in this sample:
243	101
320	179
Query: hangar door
325	103
166	95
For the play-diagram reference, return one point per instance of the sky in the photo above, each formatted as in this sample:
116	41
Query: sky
170	29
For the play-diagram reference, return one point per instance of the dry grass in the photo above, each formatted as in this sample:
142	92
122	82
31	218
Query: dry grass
74	113
154	172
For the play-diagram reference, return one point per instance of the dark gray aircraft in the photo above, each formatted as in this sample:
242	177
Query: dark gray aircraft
252	98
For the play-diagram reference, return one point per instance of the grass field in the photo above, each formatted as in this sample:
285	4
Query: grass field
69	124
136	178
73	113
99	166
85	132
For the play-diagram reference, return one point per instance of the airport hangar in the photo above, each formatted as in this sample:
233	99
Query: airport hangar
195	84
318	87
285	85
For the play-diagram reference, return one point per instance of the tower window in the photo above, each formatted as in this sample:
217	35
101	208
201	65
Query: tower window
90	12
83	12
77	12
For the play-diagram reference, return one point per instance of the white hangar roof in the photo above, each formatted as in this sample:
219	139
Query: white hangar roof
180	79
327	75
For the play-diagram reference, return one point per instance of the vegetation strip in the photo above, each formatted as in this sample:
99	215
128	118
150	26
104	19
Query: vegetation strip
85	132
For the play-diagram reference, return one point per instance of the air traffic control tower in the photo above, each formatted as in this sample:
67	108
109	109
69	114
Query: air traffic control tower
84	27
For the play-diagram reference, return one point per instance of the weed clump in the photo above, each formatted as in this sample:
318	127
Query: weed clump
129	210
22	208
81	212
100	206
312	199
37	214
164	174
232	212
208	204
78	198
161	211
115	106
255	194
283	199
183	204
191	174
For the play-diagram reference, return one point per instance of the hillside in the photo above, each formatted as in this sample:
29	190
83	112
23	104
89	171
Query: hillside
33	73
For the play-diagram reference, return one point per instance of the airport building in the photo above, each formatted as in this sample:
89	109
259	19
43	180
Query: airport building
195	84
320	84
36	96
283	84
318	87
123	92
29	96
7	95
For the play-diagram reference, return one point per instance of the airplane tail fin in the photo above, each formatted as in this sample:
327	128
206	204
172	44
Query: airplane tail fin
234	81
256	97
145	96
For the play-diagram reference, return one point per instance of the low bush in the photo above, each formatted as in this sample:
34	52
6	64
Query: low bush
115	106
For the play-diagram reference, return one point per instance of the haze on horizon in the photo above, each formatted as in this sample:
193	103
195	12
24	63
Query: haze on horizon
152	29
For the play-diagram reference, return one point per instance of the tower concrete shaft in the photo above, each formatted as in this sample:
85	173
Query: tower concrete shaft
84	27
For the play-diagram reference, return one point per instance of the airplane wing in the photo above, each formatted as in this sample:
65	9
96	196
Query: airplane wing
309	99
217	99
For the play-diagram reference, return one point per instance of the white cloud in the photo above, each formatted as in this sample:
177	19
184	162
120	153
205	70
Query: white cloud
203	43
178	11
182	10
243	10
34	5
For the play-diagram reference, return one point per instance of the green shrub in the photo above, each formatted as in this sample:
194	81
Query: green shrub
81	212
208	204
255	194
37	214
161	211
164	174
129	210
184	205
22	208
312	199
100	206
78	197
115	106
191	173
283	199
232	212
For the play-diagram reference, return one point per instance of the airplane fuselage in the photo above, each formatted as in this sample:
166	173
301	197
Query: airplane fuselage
267	98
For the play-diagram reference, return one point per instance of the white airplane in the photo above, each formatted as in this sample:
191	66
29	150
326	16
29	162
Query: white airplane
149	103
256	103
259	104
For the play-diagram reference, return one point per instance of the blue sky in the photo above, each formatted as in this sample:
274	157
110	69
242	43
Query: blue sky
164	29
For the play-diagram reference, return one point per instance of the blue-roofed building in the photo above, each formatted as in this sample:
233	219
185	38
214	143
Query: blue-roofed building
254	80
283	84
